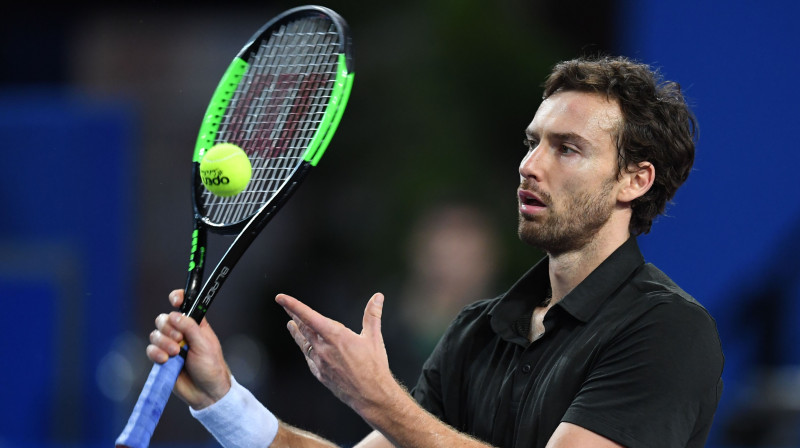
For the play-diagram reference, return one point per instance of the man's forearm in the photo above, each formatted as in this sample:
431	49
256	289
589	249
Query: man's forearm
406	424
355	367
290	437
239	420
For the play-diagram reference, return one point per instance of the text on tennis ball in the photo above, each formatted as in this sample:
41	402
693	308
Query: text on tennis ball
214	177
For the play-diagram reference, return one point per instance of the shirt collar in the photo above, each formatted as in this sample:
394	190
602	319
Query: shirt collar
582	302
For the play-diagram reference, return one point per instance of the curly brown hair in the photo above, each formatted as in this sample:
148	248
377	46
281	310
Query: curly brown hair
657	125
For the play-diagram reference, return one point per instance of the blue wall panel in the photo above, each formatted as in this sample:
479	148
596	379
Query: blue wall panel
732	239
65	261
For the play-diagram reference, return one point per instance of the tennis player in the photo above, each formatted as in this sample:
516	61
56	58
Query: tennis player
593	347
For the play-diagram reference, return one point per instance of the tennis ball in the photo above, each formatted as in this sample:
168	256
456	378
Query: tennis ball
225	169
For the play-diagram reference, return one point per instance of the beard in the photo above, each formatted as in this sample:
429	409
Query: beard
569	225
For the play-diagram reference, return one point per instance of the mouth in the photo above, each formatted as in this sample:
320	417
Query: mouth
530	203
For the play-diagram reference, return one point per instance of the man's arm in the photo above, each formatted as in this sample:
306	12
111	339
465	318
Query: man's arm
206	379
290	437
368	385
568	435
355	368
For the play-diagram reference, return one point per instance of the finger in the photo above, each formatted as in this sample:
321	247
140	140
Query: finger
305	335
176	298
299	338
156	354
372	316
165	343
204	325
305	347
199	338
163	325
304	315
186	325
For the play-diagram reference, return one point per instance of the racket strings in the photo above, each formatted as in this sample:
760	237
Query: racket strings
276	110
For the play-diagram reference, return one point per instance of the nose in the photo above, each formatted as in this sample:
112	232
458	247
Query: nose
531	165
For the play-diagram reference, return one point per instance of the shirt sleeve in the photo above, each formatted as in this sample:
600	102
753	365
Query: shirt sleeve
651	385
428	390
439	387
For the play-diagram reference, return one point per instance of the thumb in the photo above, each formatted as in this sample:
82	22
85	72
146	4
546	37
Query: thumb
372	316
187	326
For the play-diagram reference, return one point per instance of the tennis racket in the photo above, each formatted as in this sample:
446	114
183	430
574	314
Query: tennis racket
280	100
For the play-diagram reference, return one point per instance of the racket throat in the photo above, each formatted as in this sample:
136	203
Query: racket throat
210	289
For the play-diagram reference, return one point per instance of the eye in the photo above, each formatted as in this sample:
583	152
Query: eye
529	144
564	149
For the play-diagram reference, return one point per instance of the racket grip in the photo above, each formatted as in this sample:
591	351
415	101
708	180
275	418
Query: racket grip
151	402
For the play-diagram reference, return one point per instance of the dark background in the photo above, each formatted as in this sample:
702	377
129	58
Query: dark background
99	110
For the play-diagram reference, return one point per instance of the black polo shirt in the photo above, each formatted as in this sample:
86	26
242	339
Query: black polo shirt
627	354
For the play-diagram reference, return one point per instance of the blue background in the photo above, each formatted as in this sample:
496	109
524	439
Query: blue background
732	240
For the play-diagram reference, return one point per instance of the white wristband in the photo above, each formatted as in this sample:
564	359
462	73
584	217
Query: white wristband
239	420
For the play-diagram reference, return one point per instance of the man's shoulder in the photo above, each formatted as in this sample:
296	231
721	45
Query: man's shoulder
656	286
473	319
477	311
655	297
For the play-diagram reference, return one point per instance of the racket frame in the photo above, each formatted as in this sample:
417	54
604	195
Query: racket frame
198	299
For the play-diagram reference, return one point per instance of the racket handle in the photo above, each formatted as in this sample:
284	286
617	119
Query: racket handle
151	402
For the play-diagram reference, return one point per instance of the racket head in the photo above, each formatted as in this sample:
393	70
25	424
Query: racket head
280	100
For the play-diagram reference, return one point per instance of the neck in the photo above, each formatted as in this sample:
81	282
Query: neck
569	269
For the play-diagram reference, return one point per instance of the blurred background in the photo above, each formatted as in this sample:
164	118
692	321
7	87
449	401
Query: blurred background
99	109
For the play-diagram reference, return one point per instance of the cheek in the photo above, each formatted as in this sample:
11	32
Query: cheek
578	192
574	186
589	177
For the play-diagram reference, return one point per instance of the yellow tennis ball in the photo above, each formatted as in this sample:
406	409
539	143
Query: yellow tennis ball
225	169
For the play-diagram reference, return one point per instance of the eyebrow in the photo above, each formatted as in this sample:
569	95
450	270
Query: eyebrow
564	136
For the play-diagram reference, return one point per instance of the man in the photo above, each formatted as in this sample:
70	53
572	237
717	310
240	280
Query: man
591	348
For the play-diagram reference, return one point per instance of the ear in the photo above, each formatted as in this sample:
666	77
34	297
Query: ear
636	180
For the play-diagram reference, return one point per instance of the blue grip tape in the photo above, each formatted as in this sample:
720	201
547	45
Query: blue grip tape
148	409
